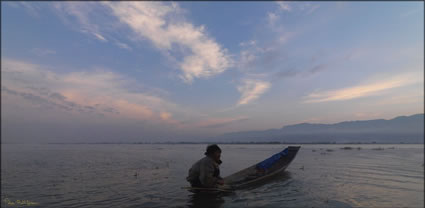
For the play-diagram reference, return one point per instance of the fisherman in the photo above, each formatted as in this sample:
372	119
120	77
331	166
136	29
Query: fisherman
205	172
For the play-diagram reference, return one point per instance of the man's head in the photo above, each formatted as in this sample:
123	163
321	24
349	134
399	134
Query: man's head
214	152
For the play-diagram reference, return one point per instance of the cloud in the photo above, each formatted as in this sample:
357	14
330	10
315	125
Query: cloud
272	54
99	37
308	7
260	57
285	36
284	6
328	63
196	54
31	7
304	7
272	18
164	25
247	58
248	43
54	100
96	91
123	46
84	13
293	71
269	53
363	90
251	90
165	115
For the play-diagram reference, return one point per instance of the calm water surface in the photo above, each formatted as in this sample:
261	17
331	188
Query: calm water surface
111	175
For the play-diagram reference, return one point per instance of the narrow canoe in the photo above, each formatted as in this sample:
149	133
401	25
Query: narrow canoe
270	167
252	174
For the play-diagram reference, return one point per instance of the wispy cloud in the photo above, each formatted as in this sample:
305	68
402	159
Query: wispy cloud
45	99
251	90
256	57
248	43
206	57
303	7
363	90
31	8
99	37
84	13
123	45
293	71
99	91
268	53
272	54
163	25
246	59
319	63
308	7
272	18
284	6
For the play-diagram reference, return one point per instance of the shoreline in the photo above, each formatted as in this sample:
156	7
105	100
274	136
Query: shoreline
222	143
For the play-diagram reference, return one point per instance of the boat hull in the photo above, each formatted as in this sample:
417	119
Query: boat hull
252	174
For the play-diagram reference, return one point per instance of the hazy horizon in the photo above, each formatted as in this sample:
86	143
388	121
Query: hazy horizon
181	71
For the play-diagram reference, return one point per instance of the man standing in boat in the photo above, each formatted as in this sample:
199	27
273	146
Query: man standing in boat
206	172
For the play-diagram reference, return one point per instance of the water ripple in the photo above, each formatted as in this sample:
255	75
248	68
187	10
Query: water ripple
152	176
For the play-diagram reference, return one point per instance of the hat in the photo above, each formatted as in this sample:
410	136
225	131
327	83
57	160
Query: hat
211	149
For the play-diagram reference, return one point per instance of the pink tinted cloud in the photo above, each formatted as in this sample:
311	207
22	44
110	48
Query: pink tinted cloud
363	90
89	89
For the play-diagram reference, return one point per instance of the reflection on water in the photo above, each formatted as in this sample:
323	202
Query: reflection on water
152	176
280	179
216	200
213	200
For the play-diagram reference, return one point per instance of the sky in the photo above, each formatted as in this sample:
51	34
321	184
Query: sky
188	71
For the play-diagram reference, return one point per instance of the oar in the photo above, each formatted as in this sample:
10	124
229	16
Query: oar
207	189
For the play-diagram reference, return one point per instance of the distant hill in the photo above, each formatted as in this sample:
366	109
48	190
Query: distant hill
402	129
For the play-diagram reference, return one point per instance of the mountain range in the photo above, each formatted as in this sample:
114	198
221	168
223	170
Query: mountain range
402	129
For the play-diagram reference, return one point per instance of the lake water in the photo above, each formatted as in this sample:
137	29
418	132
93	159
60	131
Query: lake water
152	175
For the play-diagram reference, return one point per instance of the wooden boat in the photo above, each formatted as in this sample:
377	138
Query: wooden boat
256	173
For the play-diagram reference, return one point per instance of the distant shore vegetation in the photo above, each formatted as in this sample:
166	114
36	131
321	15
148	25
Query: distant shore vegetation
251	142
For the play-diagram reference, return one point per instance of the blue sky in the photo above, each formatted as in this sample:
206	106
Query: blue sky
172	71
